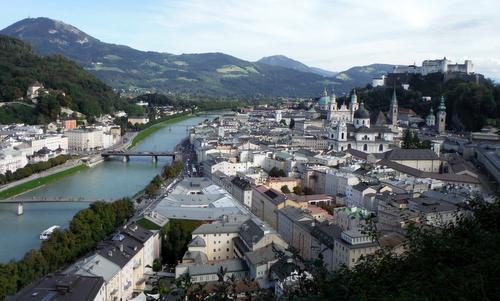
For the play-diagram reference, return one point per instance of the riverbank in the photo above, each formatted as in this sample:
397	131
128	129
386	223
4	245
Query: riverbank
155	127
27	186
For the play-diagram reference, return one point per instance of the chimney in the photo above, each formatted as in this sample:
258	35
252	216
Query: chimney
121	247
110	253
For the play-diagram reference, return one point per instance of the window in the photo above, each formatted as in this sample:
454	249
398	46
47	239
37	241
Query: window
381	147
349	146
342	136
365	147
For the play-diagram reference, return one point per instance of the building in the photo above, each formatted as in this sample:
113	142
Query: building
278	182
11	160
443	66
138	120
441	117
360	134
62	287
68	123
241	190
127	253
421	159
351	246
85	139
98	266
267	201
342	113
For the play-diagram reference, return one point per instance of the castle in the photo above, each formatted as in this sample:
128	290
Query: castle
436	66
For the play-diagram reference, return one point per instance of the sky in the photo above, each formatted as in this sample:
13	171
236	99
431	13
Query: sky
330	34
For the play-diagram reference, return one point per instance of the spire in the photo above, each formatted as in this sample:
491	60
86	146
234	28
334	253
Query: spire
442	106
325	93
394	100
354	97
333	93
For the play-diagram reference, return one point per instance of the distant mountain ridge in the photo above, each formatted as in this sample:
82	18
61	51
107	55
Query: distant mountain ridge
215	74
283	61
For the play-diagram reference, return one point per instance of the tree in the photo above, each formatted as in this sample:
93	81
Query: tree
457	261
285	189
276	172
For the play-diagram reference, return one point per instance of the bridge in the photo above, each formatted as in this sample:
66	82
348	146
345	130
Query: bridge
127	154
21	201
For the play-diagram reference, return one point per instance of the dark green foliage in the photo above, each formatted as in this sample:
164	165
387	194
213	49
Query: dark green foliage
285	189
175	237
86	229
411	141
276	172
469	106
30	169
457	262
173	170
156	265
153	186
20	67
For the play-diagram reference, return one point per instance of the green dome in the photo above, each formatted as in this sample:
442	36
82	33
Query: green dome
323	101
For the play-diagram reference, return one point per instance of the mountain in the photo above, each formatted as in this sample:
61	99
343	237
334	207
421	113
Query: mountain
20	67
205	74
363	74
286	62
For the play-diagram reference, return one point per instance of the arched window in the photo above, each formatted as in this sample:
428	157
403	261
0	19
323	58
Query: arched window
349	146
381	147
365	147
363	122
341	148
342	135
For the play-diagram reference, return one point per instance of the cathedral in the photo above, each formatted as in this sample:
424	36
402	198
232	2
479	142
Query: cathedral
350	127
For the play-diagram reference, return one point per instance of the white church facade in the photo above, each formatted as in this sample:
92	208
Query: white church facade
350	128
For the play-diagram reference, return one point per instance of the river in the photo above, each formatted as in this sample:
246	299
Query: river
109	180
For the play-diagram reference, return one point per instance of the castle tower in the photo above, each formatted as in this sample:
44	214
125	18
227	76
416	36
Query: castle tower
394	109
353	106
441	117
430	120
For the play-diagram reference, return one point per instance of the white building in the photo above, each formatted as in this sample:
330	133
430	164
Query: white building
85	139
11	160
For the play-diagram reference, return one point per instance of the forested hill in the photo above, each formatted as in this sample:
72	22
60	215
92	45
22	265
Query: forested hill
469	106
20	67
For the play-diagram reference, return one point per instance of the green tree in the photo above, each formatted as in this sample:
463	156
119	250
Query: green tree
285	189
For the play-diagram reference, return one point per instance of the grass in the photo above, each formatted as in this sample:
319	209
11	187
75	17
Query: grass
147	224
13	191
155	127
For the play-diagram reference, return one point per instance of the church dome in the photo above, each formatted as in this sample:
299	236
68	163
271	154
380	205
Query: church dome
362	113
323	101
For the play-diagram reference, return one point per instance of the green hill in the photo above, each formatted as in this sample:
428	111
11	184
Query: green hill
20	67
203	74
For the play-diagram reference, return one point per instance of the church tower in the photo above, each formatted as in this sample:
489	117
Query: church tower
430	120
394	109
341	131
353	106
332	107
441	117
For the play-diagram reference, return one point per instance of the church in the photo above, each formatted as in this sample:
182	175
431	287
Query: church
438	121
350	128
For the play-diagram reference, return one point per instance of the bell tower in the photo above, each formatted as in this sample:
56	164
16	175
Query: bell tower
441	117
394	109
